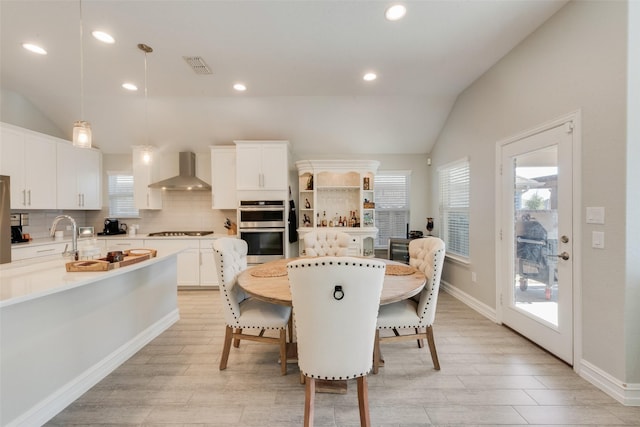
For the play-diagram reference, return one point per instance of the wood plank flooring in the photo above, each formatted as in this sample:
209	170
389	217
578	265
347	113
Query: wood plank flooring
489	376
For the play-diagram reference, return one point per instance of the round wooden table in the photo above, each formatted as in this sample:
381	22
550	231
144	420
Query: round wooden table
269	282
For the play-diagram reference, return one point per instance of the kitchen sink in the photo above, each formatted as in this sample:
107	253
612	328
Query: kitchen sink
180	233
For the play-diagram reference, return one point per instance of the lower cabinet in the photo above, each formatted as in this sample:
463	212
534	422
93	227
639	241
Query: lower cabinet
208	271
28	252
188	259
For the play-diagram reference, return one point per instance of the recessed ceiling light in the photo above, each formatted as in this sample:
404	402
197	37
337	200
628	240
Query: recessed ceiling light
369	77
240	87
395	12
103	37
34	48
129	86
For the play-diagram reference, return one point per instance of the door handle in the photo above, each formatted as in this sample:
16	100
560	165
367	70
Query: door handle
564	255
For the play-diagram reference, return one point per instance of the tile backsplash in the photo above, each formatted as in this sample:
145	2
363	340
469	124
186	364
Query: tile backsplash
181	211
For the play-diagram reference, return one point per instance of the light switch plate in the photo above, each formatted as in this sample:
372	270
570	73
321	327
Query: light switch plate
597	239
595	215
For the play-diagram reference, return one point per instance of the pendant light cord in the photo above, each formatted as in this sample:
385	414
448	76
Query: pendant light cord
81	66
146	98
146	49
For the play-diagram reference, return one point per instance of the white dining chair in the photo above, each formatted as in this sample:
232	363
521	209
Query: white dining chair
335	304
326	243
415	317
241	312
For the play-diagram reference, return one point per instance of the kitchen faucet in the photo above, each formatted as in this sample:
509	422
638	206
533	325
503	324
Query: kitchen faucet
74	237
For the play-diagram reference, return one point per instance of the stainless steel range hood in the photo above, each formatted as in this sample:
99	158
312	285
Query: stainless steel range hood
186	178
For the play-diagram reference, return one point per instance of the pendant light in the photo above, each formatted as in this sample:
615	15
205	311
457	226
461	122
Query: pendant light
81	128
148	148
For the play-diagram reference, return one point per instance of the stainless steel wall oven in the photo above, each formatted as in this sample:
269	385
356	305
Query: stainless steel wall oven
262	224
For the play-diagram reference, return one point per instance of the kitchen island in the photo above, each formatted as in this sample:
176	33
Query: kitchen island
62	332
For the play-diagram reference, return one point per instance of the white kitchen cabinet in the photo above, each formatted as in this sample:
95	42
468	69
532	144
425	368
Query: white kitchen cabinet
143	196
26	252
29	159
223	178
208	270
111	244
262	165
79	177
188	259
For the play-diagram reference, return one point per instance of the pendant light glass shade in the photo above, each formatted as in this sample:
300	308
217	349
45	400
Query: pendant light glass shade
82	134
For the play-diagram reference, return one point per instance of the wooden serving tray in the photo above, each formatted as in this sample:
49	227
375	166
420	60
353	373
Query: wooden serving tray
131	256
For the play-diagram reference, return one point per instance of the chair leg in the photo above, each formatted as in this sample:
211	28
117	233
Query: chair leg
290	326
283	351
363	401
376	352
432	347
310	391
420	341
236	342
226	348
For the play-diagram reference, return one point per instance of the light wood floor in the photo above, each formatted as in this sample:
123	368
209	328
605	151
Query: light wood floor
489	376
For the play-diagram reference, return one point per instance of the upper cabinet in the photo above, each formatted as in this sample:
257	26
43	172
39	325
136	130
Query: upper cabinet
79	177
223	177
29	159
262	165
143	196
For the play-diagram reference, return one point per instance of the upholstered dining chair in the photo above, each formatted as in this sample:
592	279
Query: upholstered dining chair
326	243
335	304
417	317
241	312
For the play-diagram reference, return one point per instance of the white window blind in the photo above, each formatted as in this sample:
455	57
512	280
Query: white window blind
121	203
391	192
454	207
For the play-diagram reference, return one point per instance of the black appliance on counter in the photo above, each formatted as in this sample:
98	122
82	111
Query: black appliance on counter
113	227
18	220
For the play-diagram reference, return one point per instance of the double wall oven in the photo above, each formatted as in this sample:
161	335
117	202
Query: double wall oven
262	224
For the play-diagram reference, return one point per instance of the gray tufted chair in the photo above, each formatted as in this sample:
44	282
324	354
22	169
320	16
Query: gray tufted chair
335	303
242	312
427	255
326	243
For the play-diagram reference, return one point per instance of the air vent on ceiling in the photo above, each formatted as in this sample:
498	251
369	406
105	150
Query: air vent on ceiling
197	64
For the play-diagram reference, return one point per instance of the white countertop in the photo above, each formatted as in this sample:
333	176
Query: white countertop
49	240
29	279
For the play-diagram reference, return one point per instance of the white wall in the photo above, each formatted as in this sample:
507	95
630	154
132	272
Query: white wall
576	60
19	111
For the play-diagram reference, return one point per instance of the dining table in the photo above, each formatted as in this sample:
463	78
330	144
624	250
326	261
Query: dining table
270	282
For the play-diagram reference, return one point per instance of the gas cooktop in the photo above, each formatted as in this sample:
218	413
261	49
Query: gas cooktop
180	233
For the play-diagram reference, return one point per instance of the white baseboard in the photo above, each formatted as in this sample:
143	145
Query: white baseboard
627	394
65	395
480	307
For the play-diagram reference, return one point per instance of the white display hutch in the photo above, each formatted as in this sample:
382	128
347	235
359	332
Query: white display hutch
330	189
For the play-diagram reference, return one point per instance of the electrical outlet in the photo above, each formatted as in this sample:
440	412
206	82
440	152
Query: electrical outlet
474	277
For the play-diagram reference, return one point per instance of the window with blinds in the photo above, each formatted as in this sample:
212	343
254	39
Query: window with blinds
121	203
454	207
391	192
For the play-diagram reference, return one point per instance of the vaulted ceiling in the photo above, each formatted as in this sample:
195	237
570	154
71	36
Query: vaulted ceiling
302	63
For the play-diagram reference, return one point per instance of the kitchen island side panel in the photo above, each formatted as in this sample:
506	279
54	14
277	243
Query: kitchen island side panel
56	347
